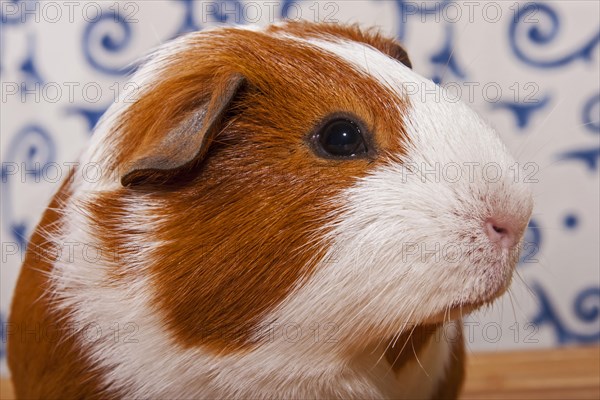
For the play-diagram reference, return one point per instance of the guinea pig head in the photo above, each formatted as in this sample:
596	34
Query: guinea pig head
304	174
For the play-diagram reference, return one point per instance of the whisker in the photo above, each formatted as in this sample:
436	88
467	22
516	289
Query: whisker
451	53
419	361
537	130
409	338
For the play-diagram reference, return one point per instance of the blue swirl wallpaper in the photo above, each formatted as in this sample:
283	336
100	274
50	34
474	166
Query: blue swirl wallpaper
530	68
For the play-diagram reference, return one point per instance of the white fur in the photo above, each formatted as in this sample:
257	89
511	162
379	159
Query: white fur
394	209
382	212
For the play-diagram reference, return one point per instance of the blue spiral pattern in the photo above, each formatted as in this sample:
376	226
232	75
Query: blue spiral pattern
30	151
531	244
445	59
2	335
111	37
586	308
188	23
539	35
591	114
408	8
90	115
110	41
590	156
523	112
21	16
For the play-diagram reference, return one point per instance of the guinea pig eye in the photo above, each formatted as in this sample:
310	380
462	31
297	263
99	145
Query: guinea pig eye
341	138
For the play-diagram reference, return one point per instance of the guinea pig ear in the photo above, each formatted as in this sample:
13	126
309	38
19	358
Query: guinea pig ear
398	52
186	143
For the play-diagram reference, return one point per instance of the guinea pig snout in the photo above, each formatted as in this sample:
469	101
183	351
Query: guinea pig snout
504	231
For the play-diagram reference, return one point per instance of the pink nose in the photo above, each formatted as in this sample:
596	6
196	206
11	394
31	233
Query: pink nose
501	233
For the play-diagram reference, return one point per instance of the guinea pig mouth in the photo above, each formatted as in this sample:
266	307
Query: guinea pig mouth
467	307
496	282
455	311
458	310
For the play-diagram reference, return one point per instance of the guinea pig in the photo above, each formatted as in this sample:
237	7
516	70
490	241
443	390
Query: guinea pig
285	212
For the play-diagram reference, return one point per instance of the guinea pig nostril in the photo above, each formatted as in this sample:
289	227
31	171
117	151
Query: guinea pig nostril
500	233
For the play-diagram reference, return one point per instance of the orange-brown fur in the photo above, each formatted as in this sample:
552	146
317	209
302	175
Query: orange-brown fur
450	387
244	232
409	346
371	37
238	232
42	353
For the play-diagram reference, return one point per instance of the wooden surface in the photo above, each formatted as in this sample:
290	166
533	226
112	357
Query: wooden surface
5	389
568	373
571	373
